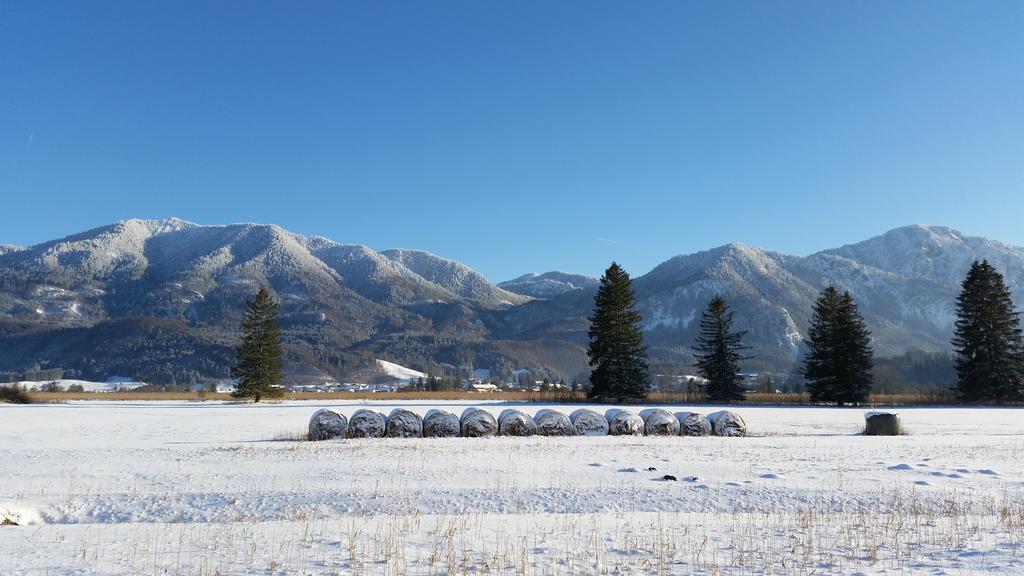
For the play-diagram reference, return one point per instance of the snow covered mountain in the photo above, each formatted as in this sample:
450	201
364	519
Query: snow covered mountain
548	284
457	278
160	300
188	283
399	372
180	265
768	298
905	281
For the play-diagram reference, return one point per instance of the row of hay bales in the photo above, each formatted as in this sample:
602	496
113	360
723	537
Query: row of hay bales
477	422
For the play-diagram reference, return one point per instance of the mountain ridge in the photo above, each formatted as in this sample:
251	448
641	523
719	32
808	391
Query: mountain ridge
167	295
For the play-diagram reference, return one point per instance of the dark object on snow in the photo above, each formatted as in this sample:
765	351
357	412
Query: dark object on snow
669	477
589	423
660	422
651	469
326	424
366	424
625	423
516	423
440	424
477	423
725	423
882	424
693	424
404	423
9	522
553	423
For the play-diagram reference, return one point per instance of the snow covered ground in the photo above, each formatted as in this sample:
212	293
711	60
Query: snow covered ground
223	488
112	385
399	371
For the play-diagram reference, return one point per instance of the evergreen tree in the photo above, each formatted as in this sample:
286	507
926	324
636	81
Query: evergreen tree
719	352
839	359
987	338
258	368
617	352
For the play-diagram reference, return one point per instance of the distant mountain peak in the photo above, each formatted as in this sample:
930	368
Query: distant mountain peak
161	226
548	284
923	233
453	276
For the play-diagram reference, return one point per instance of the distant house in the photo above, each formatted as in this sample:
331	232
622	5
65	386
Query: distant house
481	387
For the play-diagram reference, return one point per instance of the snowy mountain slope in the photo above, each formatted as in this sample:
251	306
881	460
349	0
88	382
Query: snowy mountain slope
332	297
907	279
454	277
548	284
166	295
933	252
398	371
768	301
189	260
375	276
905	282
117	250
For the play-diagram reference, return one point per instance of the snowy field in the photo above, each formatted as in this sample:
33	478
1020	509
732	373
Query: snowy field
222	488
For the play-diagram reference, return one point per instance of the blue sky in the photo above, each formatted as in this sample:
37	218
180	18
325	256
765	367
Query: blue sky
521	136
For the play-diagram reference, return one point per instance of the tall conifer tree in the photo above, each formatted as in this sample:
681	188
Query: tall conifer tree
987	338
719	351
839	359
259	364
617	352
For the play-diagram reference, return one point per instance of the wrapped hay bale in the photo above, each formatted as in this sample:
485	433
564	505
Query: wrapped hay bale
693	424
882	424
725	423
404	423
325	424
660	422
553	423
366	424
440	424
477	423
516	423
589	423
625	423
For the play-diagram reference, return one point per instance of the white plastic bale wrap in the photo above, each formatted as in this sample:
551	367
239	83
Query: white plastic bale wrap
660	422
325	424
516	423
625	423
366	424
589	423
693	424
440	424
726	423
404	423
477	423
553	423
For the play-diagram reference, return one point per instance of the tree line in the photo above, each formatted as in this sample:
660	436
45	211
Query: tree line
837	366
838	363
